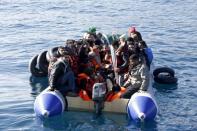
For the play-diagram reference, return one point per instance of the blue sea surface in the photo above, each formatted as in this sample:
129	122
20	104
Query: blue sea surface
28	27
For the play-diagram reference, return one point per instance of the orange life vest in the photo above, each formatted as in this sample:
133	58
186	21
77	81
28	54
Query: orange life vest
73	60
89	82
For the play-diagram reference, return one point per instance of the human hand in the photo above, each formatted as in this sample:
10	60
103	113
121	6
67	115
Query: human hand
107	65
141	91
126	76
51	89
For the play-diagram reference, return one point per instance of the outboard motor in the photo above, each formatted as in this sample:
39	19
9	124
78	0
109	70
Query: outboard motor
98	96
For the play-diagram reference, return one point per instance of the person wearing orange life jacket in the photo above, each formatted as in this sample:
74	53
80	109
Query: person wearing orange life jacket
83	57
88	78
89	71
95	63
71	46
89	55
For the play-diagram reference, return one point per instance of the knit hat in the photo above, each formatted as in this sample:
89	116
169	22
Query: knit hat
132	29
92	30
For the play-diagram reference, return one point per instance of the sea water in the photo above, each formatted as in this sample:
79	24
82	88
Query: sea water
28	27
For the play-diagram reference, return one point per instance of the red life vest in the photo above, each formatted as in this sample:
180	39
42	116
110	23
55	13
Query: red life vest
89	82
73	60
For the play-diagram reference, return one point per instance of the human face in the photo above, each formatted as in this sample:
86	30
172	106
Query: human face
133	62
61	51
90	37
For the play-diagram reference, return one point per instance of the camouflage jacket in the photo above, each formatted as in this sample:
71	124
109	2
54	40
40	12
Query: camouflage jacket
138	77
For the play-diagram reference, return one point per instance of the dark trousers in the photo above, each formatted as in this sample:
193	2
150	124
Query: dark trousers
129	92
67	83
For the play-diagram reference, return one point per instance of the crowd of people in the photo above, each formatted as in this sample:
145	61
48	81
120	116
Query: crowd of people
81	63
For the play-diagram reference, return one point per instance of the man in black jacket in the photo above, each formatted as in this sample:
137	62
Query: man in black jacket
61	76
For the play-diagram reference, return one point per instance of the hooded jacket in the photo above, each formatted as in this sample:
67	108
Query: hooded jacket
58	69
138	77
